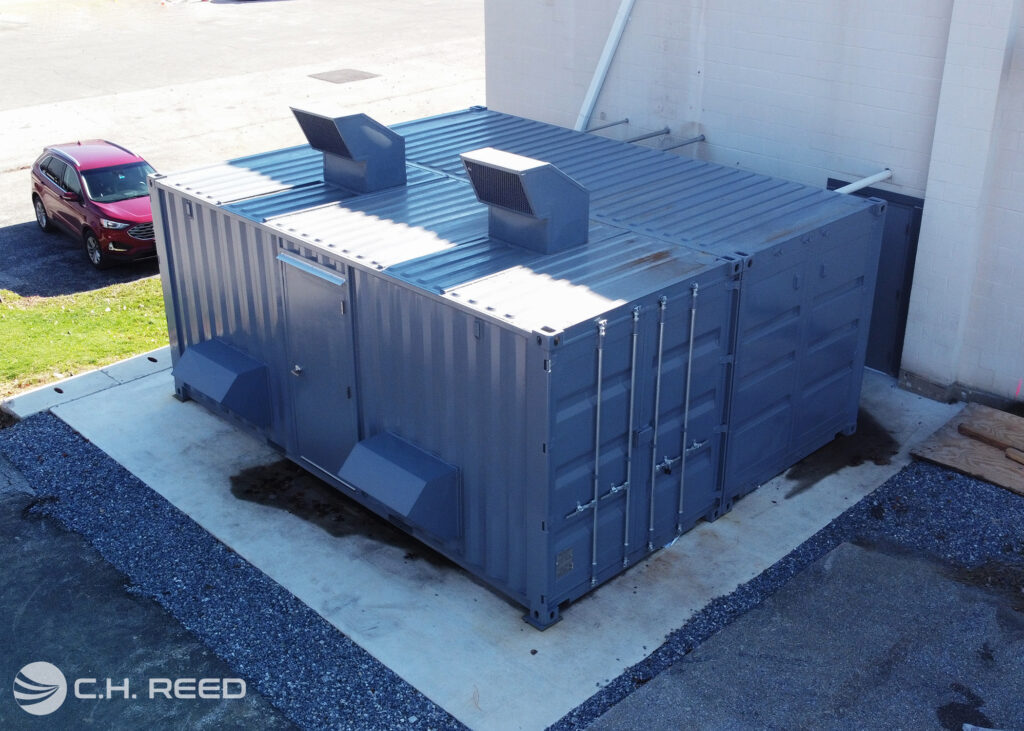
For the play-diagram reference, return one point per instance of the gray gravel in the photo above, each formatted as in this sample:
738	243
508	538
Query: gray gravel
303	665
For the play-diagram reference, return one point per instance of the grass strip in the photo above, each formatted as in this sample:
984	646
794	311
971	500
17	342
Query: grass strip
44	339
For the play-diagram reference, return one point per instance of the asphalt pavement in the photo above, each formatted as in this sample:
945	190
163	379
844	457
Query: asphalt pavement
63	603
36	263
188	84
868	636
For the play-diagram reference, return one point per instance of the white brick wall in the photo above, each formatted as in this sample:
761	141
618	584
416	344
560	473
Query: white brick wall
992	356
811	89
804	90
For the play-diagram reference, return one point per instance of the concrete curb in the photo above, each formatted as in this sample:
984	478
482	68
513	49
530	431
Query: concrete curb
45	397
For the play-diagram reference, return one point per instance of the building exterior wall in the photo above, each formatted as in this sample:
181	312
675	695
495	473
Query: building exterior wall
808	90
992	356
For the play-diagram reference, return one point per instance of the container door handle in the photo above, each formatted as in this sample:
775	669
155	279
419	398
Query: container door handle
296	370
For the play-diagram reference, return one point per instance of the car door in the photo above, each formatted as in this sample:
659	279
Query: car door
74	210
54	170
53	181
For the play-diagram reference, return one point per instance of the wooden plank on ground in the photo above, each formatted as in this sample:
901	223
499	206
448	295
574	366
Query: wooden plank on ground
950	448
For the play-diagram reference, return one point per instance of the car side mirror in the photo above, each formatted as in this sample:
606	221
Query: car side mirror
70	196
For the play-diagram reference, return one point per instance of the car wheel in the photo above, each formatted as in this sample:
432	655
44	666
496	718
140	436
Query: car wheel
42	217
94	251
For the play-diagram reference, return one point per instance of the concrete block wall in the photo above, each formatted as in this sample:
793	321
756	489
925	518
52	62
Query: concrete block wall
812	89
795	89
992	356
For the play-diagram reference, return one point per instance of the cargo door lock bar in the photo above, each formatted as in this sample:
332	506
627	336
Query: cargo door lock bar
624	486
662	303
601	330
686	405
629	437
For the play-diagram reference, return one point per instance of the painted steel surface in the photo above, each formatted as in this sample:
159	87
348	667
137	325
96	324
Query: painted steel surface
595	402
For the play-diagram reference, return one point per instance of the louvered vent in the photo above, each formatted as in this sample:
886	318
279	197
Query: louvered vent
360	154
498	188
532	203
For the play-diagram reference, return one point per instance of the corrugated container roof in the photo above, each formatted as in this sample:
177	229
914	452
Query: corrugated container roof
650	213
691	202
255	175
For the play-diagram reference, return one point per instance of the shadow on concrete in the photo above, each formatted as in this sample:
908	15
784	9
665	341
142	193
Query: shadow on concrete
34	263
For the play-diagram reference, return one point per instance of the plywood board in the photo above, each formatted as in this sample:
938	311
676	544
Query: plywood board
952	449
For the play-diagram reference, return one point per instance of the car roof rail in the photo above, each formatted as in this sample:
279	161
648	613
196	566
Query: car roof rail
120	147
63	153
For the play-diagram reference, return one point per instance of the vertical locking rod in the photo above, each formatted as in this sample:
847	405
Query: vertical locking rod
686	405
597	449
629	433
662	303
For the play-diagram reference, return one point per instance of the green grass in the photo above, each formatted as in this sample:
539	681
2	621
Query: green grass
43	339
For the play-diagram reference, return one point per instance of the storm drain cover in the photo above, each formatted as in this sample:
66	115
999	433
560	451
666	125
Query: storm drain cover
343	76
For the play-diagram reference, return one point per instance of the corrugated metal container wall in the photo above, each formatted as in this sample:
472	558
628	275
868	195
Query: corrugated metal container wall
802	338
794	368
227	288
543	419
455	385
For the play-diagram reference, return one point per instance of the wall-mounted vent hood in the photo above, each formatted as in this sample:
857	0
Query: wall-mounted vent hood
360	153
532	203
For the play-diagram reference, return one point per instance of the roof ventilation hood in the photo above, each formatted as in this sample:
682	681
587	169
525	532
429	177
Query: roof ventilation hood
360	153
532	203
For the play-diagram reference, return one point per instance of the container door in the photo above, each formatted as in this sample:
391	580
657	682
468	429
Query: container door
321	367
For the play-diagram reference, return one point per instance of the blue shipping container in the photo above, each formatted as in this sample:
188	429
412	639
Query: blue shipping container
541	352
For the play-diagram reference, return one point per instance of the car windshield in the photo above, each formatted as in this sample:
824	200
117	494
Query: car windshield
119	183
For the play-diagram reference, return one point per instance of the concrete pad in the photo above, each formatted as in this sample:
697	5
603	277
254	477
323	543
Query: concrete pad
460	644
69	389
860	639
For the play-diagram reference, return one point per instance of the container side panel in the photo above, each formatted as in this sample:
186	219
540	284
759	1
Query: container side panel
224	285
170	280
803	326
456	386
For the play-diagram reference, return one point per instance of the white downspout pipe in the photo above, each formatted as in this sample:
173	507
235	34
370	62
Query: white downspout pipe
603	64
865	182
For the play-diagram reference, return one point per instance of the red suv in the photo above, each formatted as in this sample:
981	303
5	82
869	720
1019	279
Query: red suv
97	191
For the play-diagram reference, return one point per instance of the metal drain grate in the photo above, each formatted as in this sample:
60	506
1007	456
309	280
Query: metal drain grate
343	76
